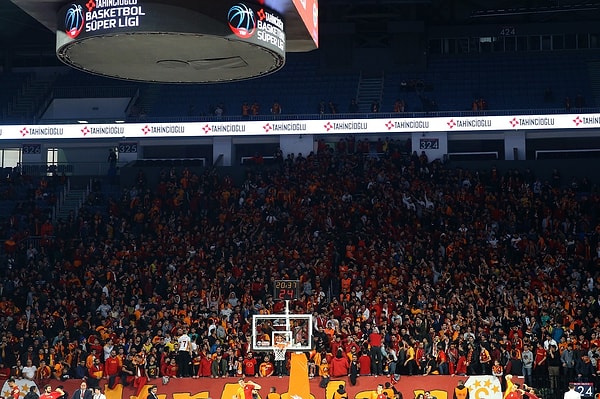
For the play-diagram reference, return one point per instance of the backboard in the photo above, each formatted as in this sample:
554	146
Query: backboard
292	330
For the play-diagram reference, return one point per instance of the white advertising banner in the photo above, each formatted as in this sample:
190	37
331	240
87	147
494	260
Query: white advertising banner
283	127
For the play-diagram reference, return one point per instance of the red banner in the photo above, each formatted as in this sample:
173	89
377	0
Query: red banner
442	387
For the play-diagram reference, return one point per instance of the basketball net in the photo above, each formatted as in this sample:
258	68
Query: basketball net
279	350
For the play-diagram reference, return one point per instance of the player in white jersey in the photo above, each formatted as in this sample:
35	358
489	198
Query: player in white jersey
184	353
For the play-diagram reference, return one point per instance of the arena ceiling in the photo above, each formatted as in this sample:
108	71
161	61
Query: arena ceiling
26	26
20	32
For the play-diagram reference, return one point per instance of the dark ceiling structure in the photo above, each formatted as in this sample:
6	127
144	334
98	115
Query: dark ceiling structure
23	36
27	38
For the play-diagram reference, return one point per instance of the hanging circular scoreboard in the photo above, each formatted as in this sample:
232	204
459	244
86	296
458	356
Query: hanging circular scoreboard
173	41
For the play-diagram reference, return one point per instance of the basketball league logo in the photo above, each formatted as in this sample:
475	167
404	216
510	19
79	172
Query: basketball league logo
74	20
242	21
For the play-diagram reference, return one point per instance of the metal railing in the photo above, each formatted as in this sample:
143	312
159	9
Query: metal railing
35	241
170	161
471	155
246	160
61	199
539	154
45	169
39	169
94	91
360	115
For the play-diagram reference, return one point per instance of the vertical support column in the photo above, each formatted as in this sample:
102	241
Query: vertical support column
287	315
32	159
222	145
32	153
129	151
434	144
514	145
294	144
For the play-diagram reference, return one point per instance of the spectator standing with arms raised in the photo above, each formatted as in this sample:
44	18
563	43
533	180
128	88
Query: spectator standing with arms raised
246	388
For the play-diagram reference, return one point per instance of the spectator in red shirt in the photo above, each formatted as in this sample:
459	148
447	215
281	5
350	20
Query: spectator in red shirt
47	229
364	363
171	369
112	368
15	392
442	362
461	364
250	364
246	389
204	368
375	340
340	365
166	361
4	372
49	394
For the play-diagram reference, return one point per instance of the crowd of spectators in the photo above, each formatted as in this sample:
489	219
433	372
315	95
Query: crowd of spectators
409	267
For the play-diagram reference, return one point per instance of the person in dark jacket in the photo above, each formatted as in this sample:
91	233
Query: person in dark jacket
354	369
32	394
584	369
514	365
340	393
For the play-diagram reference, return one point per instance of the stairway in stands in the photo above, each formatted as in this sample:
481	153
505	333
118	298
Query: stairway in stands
26	105
149	95
594	72
70	202
370	89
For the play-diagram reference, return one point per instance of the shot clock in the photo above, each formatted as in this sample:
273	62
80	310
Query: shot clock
585	389
286	289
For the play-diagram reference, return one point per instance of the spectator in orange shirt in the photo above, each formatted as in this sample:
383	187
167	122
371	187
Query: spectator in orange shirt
266	367
346	283
59	370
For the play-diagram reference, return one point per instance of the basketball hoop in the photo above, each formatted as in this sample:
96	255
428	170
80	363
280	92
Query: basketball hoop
279	350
